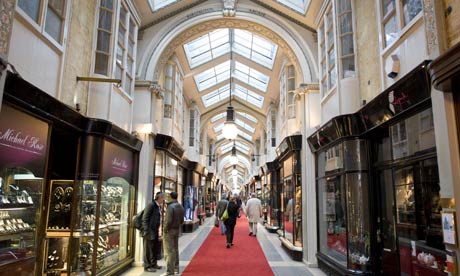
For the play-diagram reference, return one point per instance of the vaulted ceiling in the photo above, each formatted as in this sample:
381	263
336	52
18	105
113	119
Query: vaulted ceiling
229	53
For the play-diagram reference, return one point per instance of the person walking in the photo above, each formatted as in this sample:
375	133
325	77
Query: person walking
174	217
221	205
151	221
239	203
253	212
230	222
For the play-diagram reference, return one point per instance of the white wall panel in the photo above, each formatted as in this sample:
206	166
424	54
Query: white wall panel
330	108
120	110
349	95
34	59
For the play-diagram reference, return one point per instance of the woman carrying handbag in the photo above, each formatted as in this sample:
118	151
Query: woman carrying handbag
230	222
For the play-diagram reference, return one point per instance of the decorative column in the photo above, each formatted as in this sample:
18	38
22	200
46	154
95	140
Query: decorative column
310	118
6	25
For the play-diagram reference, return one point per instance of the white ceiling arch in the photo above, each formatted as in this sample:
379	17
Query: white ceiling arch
161	45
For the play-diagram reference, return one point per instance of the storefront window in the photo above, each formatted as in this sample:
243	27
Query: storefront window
333	223
289	205
20	212
359	234
413	135
113	241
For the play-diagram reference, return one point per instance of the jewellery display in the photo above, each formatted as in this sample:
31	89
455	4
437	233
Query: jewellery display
20	206
60	206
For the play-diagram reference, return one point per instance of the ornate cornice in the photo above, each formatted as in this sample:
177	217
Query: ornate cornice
152	86
222	23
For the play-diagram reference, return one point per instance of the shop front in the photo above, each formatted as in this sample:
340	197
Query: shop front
273	196
67	188
168	153
193	195
379	201
211	194
288	153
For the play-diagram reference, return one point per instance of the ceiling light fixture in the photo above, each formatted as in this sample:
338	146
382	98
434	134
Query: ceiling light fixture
234	171
233	157
230	130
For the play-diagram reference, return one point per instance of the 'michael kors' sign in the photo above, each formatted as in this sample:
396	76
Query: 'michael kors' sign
21	141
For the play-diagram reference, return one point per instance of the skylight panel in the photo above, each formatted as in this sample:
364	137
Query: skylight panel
226	146
219	127
244	135
251	76
299	6
158	4
216	96
255	48
243	146
220	137
207	47
247	116
218	117
249	96
213	76
245	126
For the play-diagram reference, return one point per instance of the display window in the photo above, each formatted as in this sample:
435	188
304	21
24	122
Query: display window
332	223
20	215
343	202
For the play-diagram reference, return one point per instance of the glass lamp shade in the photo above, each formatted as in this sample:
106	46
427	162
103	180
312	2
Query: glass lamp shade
234	159
230	131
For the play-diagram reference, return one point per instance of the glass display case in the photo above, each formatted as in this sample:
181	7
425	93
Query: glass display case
343	201
20	216
101	235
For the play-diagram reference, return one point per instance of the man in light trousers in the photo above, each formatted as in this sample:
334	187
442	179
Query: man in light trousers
254	213
173	220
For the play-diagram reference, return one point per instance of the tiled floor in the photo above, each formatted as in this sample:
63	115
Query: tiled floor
280	262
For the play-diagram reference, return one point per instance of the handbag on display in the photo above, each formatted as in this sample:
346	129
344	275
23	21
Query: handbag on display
224	216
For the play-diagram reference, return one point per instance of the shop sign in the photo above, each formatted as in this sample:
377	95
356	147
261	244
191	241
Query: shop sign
23	140
117	162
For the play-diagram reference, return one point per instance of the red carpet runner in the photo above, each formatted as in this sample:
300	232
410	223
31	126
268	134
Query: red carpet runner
244	258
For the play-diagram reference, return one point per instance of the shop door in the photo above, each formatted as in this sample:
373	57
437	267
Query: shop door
386	232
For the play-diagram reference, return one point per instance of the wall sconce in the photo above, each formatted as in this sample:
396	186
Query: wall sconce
212	158
253	157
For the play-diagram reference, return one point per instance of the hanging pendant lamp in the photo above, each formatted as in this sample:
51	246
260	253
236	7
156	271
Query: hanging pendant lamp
233	157
230	130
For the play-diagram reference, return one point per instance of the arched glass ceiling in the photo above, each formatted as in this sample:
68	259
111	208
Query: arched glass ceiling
247	116
248	96
299	6
218	117
245	126
213	76
216	96
221	72
217	42
158	4
239	146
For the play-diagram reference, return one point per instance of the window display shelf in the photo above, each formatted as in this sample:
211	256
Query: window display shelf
60	233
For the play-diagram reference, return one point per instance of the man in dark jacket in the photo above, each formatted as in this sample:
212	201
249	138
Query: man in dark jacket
151	221
174	217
